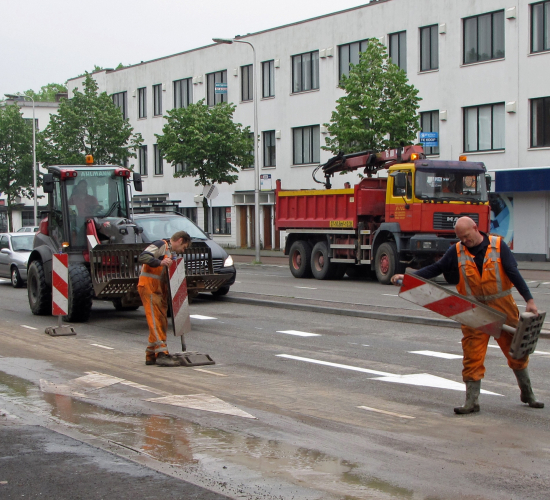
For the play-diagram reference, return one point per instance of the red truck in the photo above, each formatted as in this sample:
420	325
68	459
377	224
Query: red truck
382	224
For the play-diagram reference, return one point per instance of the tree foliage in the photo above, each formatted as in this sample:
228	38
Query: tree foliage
16	174
88	123
379	110
47	92
208	142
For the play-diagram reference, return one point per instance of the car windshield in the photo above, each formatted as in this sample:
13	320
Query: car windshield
162	227
22	243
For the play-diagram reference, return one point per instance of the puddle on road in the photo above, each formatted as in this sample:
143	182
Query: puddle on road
180	443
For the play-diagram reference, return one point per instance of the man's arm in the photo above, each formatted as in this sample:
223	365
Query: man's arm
447	263
510	267
154	254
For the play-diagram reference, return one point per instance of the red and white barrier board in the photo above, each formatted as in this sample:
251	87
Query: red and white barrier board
452	305
60	284
180	302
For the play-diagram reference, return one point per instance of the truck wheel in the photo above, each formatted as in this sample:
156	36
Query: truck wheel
299	259
387	262
80	294
16	280
321	267
38	291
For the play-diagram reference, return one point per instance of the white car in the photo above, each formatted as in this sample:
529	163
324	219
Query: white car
28	229
15	249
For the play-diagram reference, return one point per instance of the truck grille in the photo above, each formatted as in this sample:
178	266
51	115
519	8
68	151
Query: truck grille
447	220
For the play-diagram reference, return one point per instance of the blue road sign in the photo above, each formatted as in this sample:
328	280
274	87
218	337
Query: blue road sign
429	139
220	88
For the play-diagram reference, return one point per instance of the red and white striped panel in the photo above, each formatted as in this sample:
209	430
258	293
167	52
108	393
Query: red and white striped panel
60	284
180	301
452	305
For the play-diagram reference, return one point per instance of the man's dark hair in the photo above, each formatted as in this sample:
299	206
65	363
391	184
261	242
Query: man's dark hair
181	235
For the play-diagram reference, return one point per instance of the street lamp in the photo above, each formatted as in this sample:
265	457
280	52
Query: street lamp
18	98
256	154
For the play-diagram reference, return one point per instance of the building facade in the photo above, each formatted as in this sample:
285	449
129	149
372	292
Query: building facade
482	69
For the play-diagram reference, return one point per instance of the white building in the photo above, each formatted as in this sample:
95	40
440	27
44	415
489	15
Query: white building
482	69
23	211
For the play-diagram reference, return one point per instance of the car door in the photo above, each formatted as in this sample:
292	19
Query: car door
4	256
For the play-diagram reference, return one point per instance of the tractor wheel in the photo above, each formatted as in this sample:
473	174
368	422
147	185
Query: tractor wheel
80	294
321	267
387	262
38	291
299	259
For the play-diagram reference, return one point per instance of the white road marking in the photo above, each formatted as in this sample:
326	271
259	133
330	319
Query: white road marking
2	280
306	287
545	283
198	316
210	372
204	402
443	355
102	346
390	295
384	412
493	346
365	345
141	387
421	379
298	333
540	352
29	327
519	305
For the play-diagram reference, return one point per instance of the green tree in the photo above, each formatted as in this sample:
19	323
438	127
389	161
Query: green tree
16	175
208	142
379	110
47	93
87	124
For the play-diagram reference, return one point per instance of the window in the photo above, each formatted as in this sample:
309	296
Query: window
119	100
159	162
484	37
305	71
189	212
247	84
211	80
181	167
142	160
398	49
540	122
429	50
221	220
484	127
540	26
157	100
269	148
349	54
268	79
29	122
27	218
183	94
429	122
307	145
142	103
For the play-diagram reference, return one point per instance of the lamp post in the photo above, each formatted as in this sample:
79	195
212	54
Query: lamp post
256	155
18	98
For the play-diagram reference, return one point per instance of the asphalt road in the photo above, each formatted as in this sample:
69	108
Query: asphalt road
298	404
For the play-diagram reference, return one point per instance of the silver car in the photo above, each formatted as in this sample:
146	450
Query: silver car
15	249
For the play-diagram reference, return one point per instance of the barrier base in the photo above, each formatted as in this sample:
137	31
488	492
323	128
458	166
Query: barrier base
527	334
189	358
60	331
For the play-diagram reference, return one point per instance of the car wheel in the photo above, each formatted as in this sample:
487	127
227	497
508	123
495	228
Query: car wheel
16	280
221	291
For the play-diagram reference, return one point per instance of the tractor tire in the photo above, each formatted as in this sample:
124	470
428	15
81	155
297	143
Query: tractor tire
387	262
299	259
16	280
38	291
80	294
117	303
321	267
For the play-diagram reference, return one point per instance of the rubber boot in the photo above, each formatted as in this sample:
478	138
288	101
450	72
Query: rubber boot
472	394
527	395
167	360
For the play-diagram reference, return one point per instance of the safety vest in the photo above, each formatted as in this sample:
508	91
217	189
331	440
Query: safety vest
492	287
152	277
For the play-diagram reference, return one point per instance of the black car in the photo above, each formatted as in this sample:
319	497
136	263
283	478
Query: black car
161	226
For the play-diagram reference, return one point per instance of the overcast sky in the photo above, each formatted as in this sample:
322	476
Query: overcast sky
47	41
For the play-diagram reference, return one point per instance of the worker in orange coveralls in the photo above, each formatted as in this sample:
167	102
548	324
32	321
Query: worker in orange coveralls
487	271
153	290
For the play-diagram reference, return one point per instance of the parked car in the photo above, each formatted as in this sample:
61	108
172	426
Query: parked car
15	249
161	226
28	229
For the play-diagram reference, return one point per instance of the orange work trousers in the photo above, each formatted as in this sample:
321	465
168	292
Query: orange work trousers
474	347
155	304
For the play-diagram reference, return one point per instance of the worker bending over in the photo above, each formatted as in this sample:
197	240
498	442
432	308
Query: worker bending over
486	271
153	290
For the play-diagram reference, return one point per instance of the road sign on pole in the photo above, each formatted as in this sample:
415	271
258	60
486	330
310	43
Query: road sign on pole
60	294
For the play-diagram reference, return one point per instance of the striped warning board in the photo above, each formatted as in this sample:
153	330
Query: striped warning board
180	302
452	305
60	284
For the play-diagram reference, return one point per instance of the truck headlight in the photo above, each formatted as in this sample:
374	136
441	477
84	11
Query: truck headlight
228	262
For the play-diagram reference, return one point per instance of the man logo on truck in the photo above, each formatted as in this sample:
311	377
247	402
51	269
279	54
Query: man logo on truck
453	220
